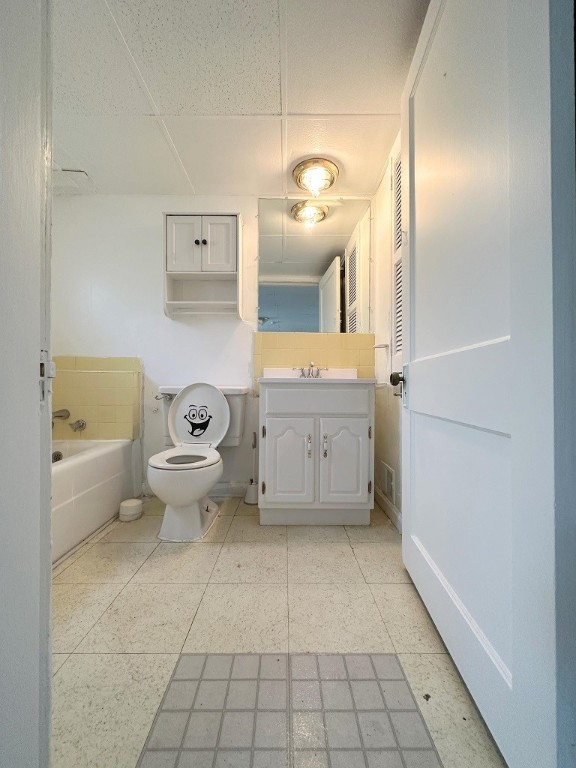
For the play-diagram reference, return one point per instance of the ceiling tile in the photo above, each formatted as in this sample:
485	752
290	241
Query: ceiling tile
92	74
232	156
270	249
346	57
301	269
122	155
205	58
358	145
315	250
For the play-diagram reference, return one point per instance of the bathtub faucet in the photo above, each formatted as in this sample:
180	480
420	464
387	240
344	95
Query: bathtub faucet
78	425
63	413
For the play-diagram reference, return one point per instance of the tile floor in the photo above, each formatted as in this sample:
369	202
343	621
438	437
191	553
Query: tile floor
126	605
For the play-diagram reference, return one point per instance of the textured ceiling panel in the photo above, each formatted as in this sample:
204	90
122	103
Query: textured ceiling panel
92	74
270	249
232	156
307	256
346	57
205	58
358	145
122	155
301	269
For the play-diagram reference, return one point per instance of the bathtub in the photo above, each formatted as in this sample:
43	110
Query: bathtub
88	484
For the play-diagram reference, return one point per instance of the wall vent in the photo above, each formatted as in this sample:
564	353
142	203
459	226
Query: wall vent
397	308
388	482
397	181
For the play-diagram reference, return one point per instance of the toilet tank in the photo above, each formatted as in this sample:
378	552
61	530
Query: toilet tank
236	397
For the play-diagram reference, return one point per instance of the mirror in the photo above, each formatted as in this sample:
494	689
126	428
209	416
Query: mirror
301	277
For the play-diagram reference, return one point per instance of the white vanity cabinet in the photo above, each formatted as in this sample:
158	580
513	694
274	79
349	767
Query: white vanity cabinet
316	451
202	264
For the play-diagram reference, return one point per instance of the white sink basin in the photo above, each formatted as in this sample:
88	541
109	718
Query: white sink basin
290	373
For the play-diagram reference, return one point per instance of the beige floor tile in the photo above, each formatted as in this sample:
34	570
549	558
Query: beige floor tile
335	618
322	563
88	544
57	660
228	506
247	509
145	618
103	707
318	533
143	529
380	529
240	618
176	563
75	610
106	563
218	531
457	728
248	528
250	563
153	506
382	563
406	619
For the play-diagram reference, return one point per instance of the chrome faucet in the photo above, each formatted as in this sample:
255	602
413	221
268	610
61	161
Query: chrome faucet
312	372
78	425
63	413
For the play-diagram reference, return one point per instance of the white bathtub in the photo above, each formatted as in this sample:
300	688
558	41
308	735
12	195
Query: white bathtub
88	485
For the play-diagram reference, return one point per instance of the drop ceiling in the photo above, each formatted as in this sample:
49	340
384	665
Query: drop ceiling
225	96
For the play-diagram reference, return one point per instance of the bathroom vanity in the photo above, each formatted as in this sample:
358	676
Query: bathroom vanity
316	464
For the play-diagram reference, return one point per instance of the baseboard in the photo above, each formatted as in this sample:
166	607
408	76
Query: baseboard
389	509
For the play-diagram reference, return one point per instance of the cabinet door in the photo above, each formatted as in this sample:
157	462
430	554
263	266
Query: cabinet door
290	449
183	243
219	243
344	460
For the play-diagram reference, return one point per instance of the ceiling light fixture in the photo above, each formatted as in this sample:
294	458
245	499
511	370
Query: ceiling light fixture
315	175
309	212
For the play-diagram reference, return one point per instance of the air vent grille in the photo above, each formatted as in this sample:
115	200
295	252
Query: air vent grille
398	307
352	322
352	274
397	204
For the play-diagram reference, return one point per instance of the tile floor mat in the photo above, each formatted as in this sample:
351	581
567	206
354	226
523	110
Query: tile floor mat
288	711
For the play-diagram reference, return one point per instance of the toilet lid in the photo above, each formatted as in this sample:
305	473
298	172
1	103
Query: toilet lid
199	414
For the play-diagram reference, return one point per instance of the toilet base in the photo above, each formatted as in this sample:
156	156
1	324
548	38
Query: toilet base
189	523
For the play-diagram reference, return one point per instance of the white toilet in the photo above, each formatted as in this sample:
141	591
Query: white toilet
181	477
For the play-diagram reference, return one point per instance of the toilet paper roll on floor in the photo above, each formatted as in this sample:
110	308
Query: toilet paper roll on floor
130	509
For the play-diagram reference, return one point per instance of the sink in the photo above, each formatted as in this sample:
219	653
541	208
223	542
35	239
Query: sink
290	373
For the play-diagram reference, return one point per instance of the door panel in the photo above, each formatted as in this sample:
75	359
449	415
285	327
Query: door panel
290	455
330	298
344	460
466	538
182	253
219	251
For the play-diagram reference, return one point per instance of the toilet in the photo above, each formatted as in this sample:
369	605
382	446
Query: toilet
182	476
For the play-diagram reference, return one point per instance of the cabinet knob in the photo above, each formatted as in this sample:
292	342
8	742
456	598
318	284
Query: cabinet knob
204	242
196	242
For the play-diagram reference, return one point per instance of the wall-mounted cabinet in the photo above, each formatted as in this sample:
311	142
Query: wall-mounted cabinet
202	265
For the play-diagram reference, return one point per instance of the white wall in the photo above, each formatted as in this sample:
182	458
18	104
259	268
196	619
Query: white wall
107	300
388	407
25	468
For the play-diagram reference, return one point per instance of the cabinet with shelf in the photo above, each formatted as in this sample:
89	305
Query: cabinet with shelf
202	265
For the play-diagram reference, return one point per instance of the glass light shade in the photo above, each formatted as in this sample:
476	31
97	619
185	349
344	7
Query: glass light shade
308	212
315	175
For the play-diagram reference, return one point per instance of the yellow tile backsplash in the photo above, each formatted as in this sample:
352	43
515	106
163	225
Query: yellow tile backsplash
104	391
330	350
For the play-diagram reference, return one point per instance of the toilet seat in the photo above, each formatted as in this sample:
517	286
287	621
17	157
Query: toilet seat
204	456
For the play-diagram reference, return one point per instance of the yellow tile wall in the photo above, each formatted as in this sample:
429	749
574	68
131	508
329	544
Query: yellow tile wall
328	350
104	391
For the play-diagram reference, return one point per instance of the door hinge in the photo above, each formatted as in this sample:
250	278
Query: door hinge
263	431
263	488
369	433
370	486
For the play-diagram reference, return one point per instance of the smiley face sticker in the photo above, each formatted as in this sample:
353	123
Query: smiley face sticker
198	418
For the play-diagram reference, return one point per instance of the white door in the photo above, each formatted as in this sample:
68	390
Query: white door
344	460
219	243
330	298
290	450
477	417
183	243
